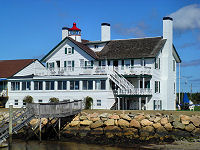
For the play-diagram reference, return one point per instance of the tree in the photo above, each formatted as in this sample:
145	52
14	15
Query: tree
28	99
54	100
88	102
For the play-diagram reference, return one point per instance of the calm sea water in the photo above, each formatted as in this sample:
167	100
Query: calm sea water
55	145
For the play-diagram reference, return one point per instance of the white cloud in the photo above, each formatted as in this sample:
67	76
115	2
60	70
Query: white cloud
187	18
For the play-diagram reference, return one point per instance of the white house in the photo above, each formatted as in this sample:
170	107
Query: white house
118	74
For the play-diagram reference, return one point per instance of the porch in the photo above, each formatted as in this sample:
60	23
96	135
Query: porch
94	70
133	103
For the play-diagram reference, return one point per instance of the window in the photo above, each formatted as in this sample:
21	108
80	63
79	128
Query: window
74	85
87	85
174	88
81	62
96	46
50	65
69	64
38	85
49	85
24	103
40	101
103	63
69	50
157	86
62	85
147	84
98	102
16	102
157	105
26	85
100	84
122	62
127	62
174	65
89	64
15	86
157	63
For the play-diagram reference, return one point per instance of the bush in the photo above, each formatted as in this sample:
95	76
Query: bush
88	102
54	100
196	108
28	99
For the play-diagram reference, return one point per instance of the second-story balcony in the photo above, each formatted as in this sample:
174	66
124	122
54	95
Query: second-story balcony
99	70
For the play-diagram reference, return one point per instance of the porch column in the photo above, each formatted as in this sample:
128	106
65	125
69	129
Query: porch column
139	85
143	81
118	103
146	101
93	82
140	103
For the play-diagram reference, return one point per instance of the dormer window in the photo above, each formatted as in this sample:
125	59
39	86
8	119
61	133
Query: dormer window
96	46
69	50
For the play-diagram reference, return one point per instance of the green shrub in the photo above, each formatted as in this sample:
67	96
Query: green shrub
28	99
196	108
54	100
88	102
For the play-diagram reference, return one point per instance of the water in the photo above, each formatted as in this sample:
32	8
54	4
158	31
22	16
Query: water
55	145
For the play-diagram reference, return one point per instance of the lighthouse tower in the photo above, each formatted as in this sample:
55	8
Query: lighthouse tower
75	33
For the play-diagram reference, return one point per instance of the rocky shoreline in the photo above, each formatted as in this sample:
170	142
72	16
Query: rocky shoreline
132	128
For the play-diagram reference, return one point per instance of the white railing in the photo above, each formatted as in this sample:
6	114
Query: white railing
3	93
135	91
93	70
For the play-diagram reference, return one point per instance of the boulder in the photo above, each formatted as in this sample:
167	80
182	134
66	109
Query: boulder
196	132
76	118
146	131
168	127
104	115
156	125
74	123
123	123
184	118
173	118
161	130
83	118
85	122
130	131
178	125
146	122
195	120
109	122
134	123
97	124
44	121
94	119
33	122
125	117
190	127
139	117
84	130
84	113
94	115
114	117
116	123
97	131
164	121
157	119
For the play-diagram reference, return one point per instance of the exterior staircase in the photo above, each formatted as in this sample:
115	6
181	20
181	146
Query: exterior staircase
20	119
119	80
125	87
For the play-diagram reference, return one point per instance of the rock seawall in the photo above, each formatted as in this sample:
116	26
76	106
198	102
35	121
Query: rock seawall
133	127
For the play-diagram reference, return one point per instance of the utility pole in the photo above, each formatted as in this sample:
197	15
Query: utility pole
179	95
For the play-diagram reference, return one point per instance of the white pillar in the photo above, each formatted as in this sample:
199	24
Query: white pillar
93	82
68	85
118	103
140	103
56	86
146	102
143	81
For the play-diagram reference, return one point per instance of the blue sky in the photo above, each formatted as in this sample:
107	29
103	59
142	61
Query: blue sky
31	28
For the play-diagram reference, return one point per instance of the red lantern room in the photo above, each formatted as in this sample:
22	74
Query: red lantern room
74	30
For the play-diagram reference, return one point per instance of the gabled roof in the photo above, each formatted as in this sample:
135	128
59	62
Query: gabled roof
8	68
80	45
132	48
